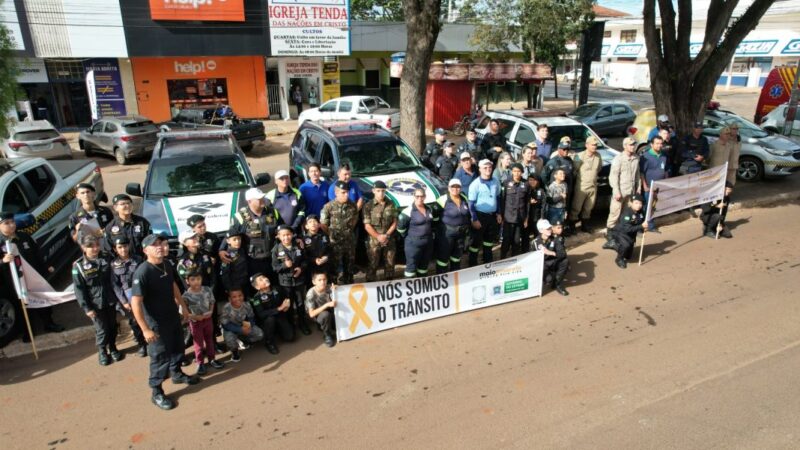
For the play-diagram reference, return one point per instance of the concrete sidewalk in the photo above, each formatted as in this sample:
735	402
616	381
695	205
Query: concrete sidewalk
767	193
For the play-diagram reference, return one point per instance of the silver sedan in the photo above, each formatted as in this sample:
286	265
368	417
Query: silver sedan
123	138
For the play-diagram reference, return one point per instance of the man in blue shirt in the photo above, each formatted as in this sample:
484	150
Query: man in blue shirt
653	166
353	192
288	201
484	207
466	172
543	145
662	123
315	190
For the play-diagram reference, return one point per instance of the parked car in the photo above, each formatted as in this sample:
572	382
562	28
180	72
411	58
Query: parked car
775	120
355	107
194	172
246	132
606	118
762	154
572	75
124	138
35	138
41	194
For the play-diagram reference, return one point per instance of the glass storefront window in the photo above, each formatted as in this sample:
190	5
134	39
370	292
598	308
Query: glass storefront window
200	91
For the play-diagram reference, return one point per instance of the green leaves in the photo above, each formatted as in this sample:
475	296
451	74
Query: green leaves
8	77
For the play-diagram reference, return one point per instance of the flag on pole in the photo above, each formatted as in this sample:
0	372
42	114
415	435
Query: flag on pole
33	288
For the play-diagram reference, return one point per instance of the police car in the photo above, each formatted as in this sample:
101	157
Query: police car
194	172
371	152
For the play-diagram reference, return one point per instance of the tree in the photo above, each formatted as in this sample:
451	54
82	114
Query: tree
422	30
8	77
377	10
682	85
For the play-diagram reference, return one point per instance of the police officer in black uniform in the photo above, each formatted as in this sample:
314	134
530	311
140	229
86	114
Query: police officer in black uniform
433	149
208	241
472	146
127	224
87	211
556	263
91	276
28	249
199	261
713	215
514	206
155	303
257	222
455	223
630	223
271	310
493	143
123	267
447	162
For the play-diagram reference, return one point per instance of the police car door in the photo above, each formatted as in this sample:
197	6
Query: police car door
522	136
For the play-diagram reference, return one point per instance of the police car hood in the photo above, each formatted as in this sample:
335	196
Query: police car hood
168	215
400	186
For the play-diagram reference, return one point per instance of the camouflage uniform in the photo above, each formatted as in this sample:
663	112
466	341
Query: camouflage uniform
381	216
340	218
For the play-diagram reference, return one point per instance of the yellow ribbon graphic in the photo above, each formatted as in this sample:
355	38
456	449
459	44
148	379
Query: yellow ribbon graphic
358	301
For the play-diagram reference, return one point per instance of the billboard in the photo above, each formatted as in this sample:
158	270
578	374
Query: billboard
205	10
309	27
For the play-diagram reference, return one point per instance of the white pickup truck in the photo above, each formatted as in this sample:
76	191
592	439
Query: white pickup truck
355	107
41	194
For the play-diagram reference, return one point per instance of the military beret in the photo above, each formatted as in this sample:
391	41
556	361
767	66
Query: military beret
234	231
121	240
6	215
283	226
255	276
558	223
379	185
86	186
120	197
194	220
312	217
89	240
342	185
637	198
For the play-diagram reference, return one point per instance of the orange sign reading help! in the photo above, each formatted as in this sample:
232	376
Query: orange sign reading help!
210	10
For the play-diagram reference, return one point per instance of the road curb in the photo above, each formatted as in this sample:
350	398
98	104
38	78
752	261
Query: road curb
50	341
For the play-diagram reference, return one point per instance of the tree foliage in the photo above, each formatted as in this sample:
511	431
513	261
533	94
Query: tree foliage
377	10
681	84
541	28
8	77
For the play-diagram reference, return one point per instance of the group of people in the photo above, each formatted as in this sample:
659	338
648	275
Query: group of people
273	272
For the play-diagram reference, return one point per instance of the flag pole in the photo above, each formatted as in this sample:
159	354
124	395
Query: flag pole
719	221
23	297
646	215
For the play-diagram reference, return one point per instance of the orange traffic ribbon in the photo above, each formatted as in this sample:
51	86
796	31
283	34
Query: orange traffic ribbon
358	301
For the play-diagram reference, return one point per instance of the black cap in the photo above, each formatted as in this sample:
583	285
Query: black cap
440	131
86	186
234	231
88	240
255	276
119	198
533	176
379	185
636	197
312	216
342	185
192	271
563	145
557	222
517	166
728	184
121	239
152	239
194	220
449	144
283	226
6	215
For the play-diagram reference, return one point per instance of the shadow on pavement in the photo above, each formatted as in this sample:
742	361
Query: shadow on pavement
655	250
582	271
25	368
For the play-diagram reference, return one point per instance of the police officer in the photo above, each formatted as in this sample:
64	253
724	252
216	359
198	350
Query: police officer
447	162
694	150
287	201
91	276
23	244
194	258
630	223
123	267
493	143
433	149
380	222
471	146
484	206
455	223
416	225
561	160
317	248
338	220
556	263
257	223
127	224
514	207
89	213
713	215
155	303
209	242
271	310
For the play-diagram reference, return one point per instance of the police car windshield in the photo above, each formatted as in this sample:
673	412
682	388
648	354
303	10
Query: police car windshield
369	158
196	174
576	133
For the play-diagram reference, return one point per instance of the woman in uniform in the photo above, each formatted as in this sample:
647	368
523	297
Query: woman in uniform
453	229
416	224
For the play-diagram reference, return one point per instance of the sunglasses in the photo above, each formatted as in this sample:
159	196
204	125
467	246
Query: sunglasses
419	196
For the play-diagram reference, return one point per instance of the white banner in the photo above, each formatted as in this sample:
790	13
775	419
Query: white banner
686	191
31	287
309	27
372	307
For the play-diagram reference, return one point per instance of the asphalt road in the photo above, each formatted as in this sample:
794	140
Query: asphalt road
694	349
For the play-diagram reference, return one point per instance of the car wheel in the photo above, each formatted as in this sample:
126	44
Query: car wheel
750	169
81	145
120	155
247	148
10	320
640	149
771	130
87	148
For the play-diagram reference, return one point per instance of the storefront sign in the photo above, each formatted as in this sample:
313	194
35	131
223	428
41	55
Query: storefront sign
104	85
302	69
31	70
628	50
331	83
372	307
792	48
309	27
192	67
492	72
205	10
756	47
604	50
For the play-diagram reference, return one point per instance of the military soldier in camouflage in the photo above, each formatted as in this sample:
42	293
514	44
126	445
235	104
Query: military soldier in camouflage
380	221
338	219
